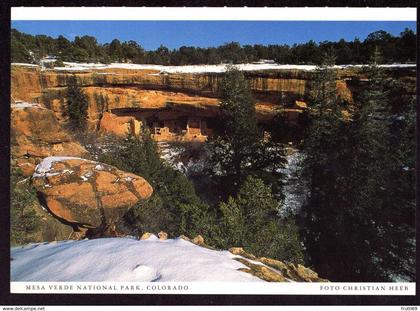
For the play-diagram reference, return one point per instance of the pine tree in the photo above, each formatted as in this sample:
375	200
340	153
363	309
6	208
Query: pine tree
383	178
23	218
324	215
250	220
358	220
239	149
174	206
77	105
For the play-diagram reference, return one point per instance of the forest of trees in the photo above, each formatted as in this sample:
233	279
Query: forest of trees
28	48
358	219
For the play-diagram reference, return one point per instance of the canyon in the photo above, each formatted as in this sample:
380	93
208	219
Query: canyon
175	106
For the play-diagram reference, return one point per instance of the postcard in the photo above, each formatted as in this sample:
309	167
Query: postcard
250	151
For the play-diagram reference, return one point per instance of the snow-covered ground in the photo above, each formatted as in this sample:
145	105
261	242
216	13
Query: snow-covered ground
200	68
172	155
125	260
295	190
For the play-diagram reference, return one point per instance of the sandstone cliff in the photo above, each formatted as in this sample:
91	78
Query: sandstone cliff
166	102
36	134
160	100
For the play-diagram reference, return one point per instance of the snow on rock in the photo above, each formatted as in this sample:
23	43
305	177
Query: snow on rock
44	168
125	260
24	64
18	104
69	66
99	167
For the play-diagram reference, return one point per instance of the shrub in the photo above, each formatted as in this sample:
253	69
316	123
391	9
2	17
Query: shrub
23	219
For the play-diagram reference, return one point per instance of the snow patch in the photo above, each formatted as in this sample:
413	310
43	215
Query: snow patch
124	260
67	171
43	169
18	104
205	68
295	189
99	167
146	273
24	64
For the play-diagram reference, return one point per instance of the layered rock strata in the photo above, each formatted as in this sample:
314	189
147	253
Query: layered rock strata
36	134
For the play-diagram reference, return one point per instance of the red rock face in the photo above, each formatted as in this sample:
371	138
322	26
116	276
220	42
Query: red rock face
36	134
170	97
86	193
116	94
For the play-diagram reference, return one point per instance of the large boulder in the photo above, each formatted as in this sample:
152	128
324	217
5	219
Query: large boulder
36	134
87	194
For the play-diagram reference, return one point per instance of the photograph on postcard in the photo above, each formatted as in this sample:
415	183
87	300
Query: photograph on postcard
237	151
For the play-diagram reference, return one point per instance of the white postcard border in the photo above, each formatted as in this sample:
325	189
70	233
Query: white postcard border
209	14
216	288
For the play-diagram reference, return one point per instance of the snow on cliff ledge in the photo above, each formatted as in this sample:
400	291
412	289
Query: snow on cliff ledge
124	260
71	66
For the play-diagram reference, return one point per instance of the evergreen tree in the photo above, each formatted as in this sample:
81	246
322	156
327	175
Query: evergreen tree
383	178
250	220
77	105
115	50
324	213
19	53
358	220
174	206
23	218
239	149
86	48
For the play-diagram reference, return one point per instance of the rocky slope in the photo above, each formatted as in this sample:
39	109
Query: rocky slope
36	134
74	193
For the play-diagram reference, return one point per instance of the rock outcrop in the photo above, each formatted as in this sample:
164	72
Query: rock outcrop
87	194
280	271
36	134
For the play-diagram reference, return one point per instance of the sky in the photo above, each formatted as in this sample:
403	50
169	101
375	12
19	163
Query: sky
174	34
